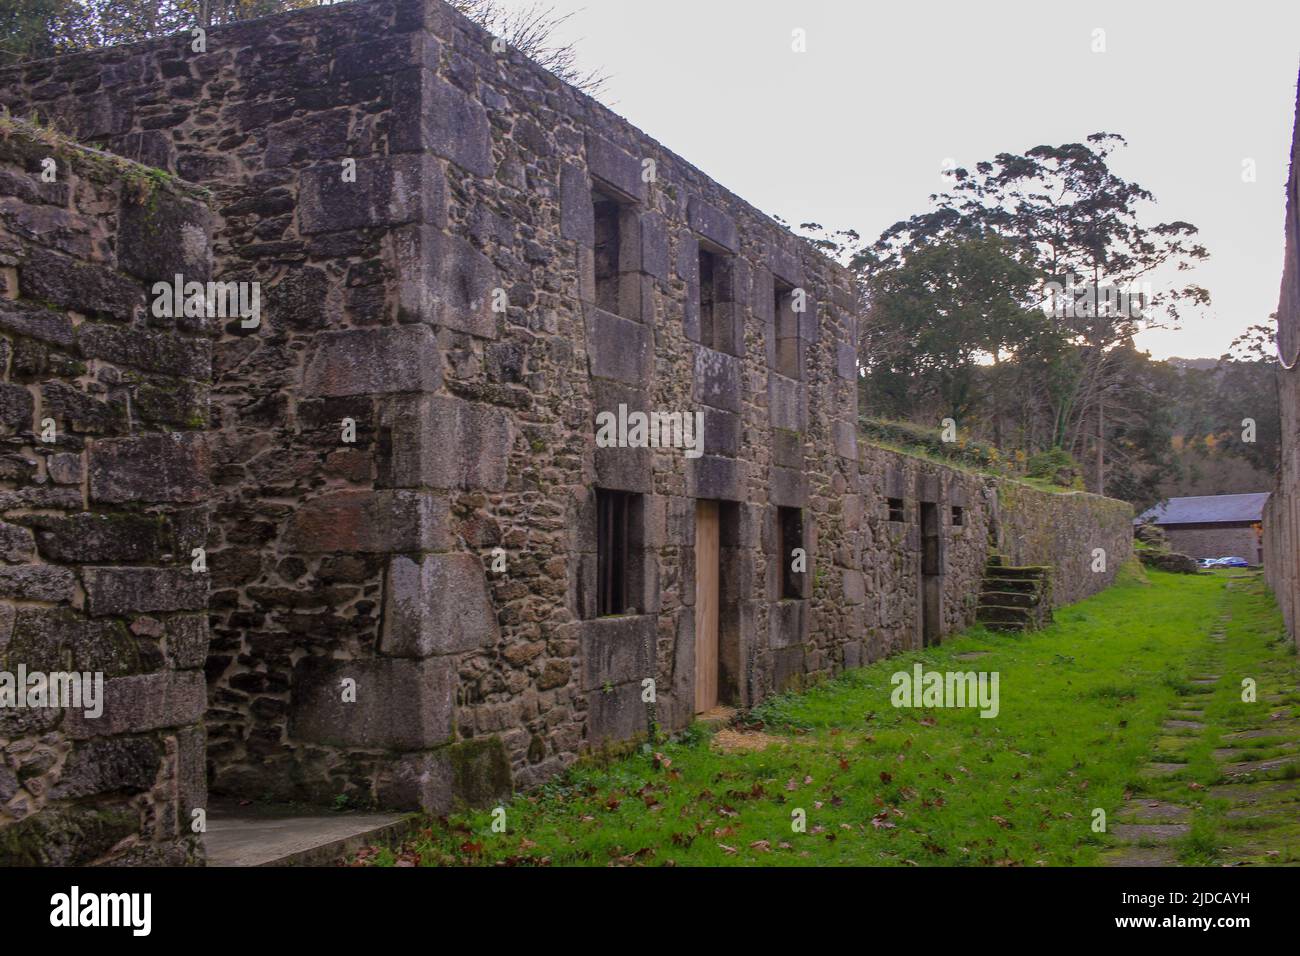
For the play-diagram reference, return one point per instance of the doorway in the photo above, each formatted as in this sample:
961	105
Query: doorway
722	579
707	568
931	567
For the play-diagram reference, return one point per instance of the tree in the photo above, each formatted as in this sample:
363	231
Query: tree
953	304
1068	215
1247	392
31	29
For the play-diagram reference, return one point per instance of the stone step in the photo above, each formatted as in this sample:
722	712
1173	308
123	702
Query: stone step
719	716
1001	614
1009	598
1028	572
1005	585
1006	626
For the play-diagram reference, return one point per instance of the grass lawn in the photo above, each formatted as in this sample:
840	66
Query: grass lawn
1080	715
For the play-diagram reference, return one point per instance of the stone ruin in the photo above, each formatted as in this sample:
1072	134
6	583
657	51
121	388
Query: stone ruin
361	543
1281	532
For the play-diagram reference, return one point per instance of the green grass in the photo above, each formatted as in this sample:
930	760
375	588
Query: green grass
963	454
1081	707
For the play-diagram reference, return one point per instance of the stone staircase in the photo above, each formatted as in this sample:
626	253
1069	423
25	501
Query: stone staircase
1014	598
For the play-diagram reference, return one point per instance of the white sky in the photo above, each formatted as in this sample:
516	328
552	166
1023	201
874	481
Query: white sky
853	132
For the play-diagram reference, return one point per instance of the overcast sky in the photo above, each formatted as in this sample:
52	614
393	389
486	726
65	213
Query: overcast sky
854	131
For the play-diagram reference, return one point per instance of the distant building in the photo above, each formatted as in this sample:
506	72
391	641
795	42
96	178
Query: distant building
1213	526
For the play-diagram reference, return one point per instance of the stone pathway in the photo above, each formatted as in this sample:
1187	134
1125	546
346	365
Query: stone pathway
242	834
1258	818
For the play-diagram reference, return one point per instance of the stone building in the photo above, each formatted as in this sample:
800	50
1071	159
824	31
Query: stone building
1213	526
1282	514
426	578
104	484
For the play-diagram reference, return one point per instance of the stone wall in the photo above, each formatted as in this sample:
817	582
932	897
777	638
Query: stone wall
462	263
326	554
1282	512
103	490
1065	530
370	560
1026	525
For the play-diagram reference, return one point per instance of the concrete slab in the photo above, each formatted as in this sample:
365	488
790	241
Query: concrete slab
720	716
262	835
1149	832
1140	856
1253	793
1161	769
1153	811
1280	729
1258	766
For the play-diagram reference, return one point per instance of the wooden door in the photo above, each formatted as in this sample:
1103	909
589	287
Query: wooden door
706	606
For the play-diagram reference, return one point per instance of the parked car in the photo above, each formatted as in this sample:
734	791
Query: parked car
1233	563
